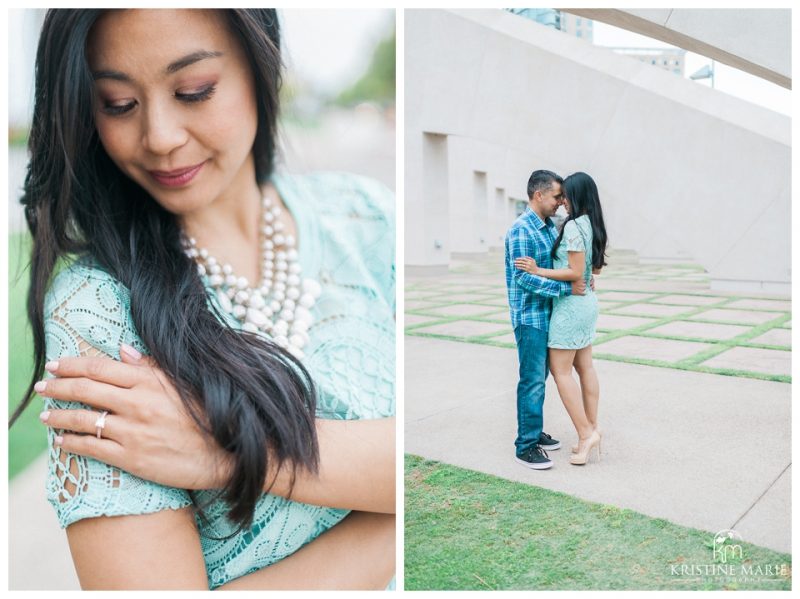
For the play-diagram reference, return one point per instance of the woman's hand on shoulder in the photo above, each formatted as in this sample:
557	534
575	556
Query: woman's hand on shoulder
147	432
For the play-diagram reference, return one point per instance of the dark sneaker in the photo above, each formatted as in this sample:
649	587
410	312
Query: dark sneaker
548	443
535	458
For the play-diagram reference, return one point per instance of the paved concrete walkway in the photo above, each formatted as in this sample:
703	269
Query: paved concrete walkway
701	450
38	557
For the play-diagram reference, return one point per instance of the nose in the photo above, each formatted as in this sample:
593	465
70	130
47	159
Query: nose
163	130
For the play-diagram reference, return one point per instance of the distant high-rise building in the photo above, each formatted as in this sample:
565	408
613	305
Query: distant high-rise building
546	16
578	26
669	59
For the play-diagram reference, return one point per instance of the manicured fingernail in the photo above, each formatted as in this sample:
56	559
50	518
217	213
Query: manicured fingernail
58	440
44	416
51	366
130	351
40	386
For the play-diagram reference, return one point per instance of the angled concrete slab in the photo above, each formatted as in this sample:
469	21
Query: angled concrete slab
462	297
700	330
460	310
503	315
495	301
657	310
463	328
648	348
736	316
688	300
608	306
414	319
778	336
767	361
624	296
612	322
762	304
420	294
421	304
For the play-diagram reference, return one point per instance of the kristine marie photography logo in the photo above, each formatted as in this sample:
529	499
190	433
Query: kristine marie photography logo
729	563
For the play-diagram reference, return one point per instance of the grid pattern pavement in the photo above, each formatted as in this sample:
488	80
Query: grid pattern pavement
661	315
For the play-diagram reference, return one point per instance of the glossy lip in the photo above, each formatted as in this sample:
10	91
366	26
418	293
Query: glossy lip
178	177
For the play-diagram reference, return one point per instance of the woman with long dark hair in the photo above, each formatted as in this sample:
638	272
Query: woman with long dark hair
265	303
578	252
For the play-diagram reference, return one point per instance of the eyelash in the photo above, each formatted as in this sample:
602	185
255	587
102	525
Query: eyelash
201	96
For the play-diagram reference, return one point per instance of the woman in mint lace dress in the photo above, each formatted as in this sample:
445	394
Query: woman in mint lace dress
578	252
252	447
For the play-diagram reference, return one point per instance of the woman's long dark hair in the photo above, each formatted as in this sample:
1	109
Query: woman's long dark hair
249	394
580	191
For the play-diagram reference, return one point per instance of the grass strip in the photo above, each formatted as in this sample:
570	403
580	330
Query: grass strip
466	530
481	340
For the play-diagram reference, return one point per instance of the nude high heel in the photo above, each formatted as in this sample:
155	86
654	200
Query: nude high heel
581	457
574	448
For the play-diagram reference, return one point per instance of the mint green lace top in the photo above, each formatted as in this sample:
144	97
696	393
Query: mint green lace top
574	317
345	230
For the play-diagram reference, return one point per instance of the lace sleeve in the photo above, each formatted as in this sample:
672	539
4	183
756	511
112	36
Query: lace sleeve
87	313
573	237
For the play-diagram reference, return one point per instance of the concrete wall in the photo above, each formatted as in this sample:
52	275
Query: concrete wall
683	171
757	41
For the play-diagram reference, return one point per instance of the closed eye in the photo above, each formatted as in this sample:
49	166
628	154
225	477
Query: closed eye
190	98
118	109
199	96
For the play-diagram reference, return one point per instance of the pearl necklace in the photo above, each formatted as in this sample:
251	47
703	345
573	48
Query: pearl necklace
281	306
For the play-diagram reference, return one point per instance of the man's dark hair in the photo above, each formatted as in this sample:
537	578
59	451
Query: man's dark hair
541	181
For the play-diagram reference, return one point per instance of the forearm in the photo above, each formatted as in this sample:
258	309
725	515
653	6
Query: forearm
356	554
561	274
356	468
539	285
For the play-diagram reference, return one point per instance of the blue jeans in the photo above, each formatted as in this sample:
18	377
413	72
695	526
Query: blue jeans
532	351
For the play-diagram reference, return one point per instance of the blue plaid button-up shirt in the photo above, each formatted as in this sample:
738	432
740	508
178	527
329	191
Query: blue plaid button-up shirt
530	296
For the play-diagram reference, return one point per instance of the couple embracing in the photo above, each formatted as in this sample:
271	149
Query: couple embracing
554	310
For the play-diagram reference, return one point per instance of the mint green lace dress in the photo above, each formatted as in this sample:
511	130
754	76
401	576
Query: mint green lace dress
572	323
346	240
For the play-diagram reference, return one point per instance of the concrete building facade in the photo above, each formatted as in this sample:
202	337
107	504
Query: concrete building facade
684	172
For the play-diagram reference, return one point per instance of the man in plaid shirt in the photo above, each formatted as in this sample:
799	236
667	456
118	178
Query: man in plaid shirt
530	298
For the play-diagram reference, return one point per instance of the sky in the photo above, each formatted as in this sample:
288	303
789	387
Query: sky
727	79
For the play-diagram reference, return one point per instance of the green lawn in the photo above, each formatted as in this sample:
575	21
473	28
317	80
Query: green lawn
26	439
467	530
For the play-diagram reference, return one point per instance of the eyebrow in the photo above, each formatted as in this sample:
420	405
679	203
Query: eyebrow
172	68
190	59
